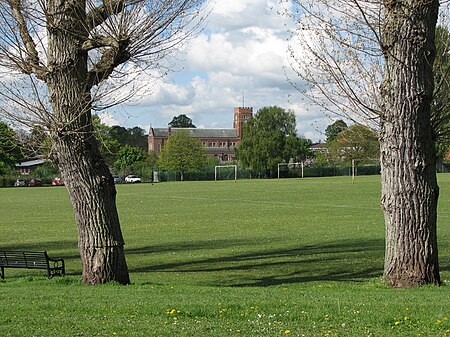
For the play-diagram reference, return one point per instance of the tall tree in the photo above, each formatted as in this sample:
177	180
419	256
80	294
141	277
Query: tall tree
61	59
181	121
127	157
360	45
333	130
299	148
108	146
10	152
182	153
138	138
269	139
357	142
409	200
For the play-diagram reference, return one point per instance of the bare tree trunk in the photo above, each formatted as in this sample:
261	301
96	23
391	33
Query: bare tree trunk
409	187
88	180
93	196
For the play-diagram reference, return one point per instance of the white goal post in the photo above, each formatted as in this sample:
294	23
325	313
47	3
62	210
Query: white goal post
217	170
289	165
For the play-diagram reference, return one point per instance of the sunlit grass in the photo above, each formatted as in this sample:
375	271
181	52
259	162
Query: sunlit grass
252	258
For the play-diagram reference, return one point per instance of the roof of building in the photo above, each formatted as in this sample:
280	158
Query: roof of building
31	163
318	146
197	133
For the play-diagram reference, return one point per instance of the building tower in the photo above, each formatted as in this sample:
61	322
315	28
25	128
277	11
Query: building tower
241	116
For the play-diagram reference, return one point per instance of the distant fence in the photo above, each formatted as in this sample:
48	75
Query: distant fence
207	173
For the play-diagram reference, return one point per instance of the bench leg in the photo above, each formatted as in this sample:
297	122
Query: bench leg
2	273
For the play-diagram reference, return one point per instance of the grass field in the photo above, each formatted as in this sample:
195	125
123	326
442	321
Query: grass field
298	257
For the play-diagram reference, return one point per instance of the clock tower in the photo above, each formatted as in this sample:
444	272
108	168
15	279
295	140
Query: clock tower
241	116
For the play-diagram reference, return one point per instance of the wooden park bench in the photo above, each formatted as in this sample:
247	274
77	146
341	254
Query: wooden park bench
31	260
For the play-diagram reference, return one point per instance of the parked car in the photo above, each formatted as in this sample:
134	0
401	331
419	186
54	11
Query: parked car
132	179
20	182
57	182
35	182
117	179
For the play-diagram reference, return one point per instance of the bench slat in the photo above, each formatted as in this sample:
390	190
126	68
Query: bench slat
31	260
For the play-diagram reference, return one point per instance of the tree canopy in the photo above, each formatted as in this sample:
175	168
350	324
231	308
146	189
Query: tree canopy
127	157
182	121
357	142
182	153
10	152
269	139
333	130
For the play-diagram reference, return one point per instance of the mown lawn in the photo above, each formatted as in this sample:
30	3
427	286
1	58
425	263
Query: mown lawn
299	257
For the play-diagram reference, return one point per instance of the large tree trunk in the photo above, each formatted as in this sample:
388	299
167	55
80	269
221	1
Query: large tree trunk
409	186
88	180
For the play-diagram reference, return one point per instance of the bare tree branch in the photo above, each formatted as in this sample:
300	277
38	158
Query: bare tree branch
97	15
17	33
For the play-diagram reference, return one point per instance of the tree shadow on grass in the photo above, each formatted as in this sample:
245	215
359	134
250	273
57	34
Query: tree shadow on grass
49	246
346	260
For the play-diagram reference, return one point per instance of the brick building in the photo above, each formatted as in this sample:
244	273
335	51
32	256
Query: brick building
220	143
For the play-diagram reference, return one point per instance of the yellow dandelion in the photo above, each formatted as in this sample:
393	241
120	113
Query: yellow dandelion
397	323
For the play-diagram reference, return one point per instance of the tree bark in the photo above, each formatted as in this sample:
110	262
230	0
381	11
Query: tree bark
409	185
87	177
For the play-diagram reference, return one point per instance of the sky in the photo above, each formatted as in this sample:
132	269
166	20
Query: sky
240	58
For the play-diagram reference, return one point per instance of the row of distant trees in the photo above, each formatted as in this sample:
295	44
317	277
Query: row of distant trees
269	138
124	149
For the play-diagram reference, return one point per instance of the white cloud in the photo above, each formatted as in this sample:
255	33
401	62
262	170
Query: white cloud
108	118
242	52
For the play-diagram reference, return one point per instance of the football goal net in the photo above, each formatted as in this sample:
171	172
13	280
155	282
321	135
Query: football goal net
290	165
224	172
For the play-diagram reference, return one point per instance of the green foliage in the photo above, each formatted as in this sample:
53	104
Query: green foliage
127	157
37	142
132	136
285	257
109	147
138	138
182	153
358	142
47	171
298	148
145	167
182	121
10	151
212	161
333	130
112	139
269	139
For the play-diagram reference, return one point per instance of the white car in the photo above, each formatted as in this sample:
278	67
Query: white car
132	179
